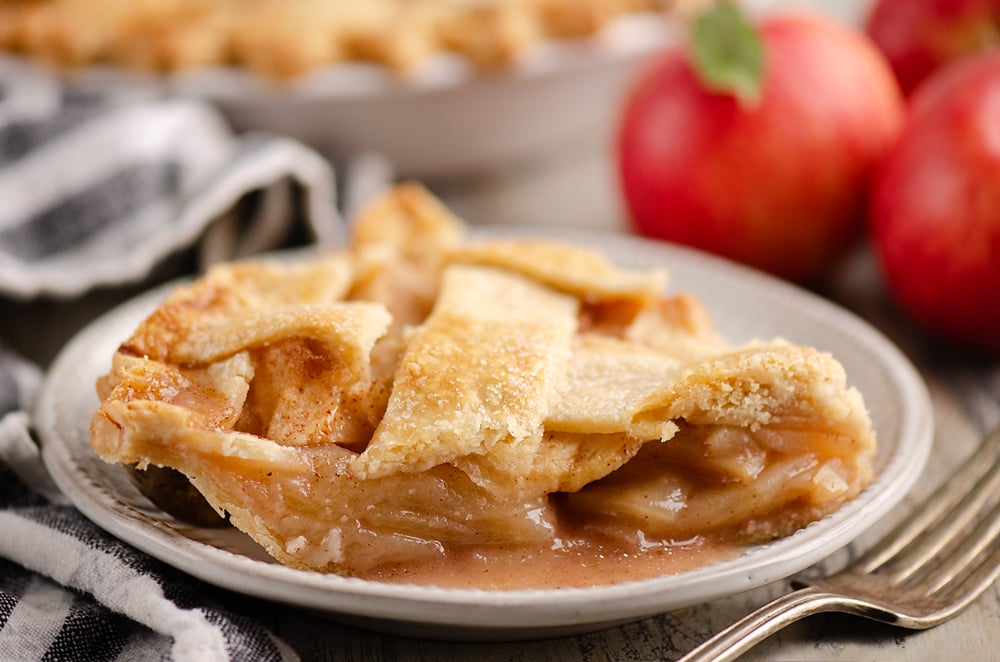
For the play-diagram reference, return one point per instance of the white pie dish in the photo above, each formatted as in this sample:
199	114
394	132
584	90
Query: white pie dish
745	304
445	120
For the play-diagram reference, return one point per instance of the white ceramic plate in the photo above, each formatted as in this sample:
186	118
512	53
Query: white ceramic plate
745	304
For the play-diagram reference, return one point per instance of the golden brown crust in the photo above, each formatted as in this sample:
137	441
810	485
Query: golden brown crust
479	372
584	274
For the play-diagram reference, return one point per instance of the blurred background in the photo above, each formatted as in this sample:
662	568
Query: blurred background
529	141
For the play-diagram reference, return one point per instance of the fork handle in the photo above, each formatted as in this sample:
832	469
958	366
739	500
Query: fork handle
752	629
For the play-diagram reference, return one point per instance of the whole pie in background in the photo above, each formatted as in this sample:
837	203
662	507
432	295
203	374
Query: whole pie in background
283	39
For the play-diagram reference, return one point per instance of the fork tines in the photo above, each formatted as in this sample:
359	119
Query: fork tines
940	549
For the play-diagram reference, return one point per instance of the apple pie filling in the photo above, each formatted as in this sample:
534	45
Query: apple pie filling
500	414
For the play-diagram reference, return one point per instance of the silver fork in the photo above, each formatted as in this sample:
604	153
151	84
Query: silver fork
931	567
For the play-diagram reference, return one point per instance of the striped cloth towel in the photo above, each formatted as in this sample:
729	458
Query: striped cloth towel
70	591
97	190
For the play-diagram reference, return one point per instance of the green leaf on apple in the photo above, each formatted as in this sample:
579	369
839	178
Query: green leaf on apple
727	53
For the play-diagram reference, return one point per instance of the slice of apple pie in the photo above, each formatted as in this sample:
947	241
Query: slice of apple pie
420	407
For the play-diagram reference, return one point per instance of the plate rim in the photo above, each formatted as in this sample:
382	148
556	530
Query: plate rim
534	610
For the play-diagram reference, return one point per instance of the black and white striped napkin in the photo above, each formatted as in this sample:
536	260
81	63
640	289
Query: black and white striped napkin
96	191
70	591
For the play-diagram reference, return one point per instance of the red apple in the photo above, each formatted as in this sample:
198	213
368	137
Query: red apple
918	36
779	185
936	205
